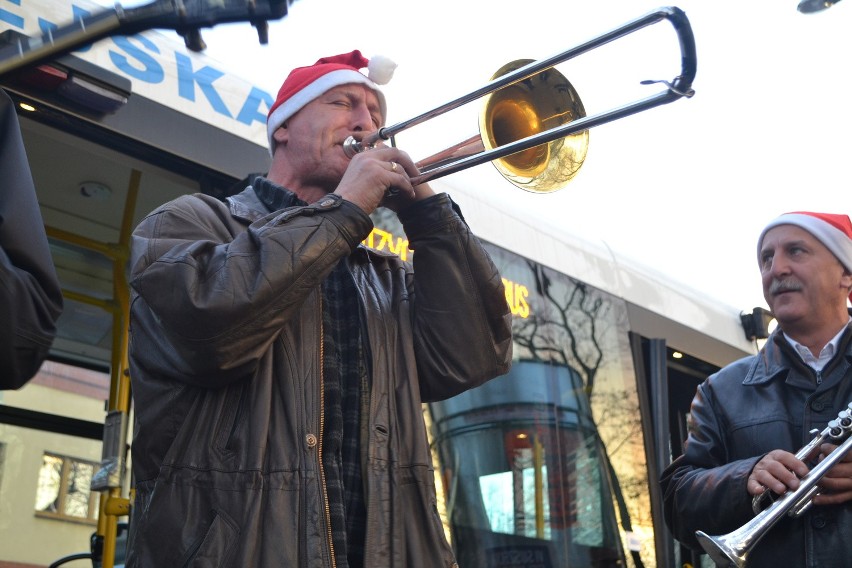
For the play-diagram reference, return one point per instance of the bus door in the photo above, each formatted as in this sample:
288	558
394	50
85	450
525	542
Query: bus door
668	379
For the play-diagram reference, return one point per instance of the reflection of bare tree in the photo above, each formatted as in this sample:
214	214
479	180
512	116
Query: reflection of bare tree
623	430
567	331
572	326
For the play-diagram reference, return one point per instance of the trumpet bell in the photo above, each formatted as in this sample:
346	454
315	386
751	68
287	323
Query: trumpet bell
531	106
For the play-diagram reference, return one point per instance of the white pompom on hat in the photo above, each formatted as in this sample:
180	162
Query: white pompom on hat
832	230
304	84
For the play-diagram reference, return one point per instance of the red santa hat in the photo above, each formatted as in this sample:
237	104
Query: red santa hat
832	230
304	84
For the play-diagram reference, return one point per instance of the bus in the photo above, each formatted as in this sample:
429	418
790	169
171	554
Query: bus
552	465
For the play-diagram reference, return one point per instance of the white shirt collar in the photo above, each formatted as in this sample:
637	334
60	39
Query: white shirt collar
825	355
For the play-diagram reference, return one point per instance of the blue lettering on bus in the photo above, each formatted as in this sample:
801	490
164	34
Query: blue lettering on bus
136	57
151	71
47	26
251	108
79	14
204	77
10	18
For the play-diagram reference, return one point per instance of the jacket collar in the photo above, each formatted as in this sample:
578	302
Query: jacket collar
778	357
261	198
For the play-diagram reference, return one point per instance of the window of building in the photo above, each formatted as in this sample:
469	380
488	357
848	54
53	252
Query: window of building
64	489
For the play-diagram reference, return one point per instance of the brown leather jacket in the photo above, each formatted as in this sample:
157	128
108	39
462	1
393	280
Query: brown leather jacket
227	382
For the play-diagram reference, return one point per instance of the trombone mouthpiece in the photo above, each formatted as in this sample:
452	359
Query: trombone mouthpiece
352	147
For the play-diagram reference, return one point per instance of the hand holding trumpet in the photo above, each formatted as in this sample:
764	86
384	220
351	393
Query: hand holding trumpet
734	547
778	471
836	485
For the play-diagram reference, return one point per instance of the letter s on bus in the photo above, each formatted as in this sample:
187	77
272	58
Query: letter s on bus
516	297
151	71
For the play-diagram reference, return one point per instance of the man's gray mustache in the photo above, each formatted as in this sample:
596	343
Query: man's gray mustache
785	285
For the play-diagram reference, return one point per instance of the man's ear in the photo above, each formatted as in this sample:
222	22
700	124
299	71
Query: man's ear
281	134
279	137
846	280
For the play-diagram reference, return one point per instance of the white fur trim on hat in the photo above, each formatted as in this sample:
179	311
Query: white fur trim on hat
835	240
324	83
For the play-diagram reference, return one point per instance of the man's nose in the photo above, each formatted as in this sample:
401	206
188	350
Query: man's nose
362	120
779	264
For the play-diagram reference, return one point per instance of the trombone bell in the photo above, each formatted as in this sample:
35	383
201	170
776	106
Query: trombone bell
526	108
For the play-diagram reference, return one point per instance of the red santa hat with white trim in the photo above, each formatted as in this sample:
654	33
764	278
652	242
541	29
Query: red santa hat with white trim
832	230
304	84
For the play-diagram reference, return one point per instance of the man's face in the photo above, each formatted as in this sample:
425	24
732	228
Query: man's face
314	135
803	282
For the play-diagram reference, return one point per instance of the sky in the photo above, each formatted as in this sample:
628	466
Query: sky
684	188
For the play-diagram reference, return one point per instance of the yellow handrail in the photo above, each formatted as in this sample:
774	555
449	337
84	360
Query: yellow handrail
112	504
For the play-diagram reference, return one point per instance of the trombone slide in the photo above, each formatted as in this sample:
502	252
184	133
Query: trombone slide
680	86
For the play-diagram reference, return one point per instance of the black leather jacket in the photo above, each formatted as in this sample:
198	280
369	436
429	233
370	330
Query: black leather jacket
226	374
769	401
30	297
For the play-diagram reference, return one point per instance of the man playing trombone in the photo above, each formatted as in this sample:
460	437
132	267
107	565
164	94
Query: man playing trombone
748	420
279	367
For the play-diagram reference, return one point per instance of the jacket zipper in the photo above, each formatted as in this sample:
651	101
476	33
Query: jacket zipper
321	435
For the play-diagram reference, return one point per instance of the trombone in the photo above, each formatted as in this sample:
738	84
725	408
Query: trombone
732	549
536	129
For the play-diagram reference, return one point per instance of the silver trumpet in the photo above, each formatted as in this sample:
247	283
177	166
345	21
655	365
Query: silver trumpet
732	549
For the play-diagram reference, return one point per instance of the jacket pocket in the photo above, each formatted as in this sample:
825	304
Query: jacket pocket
230	417
214	548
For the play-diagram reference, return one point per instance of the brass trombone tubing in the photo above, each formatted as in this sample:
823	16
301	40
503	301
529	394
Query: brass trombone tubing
681	86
